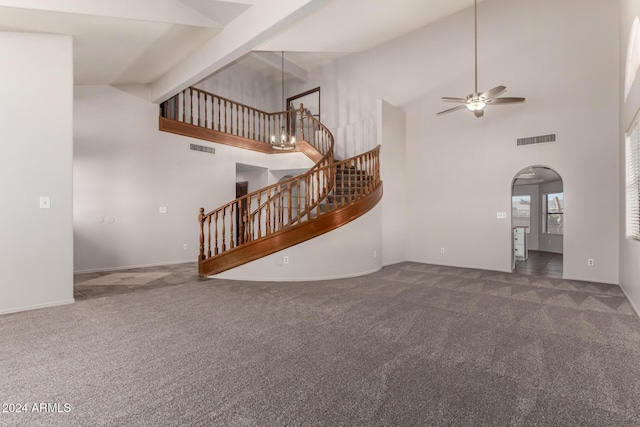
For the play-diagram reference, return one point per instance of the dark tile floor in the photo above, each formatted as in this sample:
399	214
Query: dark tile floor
105	283
542	264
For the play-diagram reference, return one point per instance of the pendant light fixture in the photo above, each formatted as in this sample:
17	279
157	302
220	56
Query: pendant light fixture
284	141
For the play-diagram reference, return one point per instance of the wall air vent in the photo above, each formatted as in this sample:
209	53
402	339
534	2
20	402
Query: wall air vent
537	139
202	148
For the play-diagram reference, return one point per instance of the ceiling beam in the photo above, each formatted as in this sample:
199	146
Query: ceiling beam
259	23
165	11
275	61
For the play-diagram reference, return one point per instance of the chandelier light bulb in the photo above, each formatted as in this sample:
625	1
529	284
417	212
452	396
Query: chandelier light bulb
286	142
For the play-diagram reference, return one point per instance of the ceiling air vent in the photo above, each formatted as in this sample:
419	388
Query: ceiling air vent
537	139
202	148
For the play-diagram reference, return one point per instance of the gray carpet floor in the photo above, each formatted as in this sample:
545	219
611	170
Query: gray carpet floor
410	345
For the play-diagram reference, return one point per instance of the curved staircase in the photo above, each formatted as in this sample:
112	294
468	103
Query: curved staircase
327	196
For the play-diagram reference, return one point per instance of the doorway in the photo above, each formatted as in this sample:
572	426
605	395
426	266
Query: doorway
537	222
242	188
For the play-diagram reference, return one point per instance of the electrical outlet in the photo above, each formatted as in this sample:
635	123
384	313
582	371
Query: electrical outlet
45	202
185	247
501	215
162	209
442	250
590	262
285	260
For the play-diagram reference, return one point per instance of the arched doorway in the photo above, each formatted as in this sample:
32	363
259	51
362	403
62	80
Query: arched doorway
537	222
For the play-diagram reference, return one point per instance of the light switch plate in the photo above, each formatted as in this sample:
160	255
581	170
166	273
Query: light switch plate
501	215
45	202
163	209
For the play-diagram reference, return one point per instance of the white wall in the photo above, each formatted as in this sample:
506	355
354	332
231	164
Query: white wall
276	175
256	178
36	245
629	248
459	168
125	169
349	105
344	252
392	139
243	85
456	161
463	167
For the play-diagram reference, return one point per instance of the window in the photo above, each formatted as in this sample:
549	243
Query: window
632	155
633	58
521	212
553	211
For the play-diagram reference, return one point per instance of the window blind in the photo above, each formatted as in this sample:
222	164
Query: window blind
633	182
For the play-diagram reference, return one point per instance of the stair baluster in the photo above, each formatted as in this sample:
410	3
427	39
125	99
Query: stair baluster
251	221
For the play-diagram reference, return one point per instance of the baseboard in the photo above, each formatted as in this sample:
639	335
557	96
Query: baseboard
461	266
635	308
129	267
577	279
36	306
296	279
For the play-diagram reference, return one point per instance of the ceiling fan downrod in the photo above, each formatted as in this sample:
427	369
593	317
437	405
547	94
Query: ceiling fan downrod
476	101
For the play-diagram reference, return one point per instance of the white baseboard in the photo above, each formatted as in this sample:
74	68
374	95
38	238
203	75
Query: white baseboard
630	301
441	264
295	279
582	279
128	267
36	306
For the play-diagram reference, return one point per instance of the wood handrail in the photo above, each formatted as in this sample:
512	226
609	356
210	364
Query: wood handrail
290	236
269	212
206	110
275	210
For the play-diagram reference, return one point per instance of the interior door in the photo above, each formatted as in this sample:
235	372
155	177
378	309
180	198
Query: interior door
242	188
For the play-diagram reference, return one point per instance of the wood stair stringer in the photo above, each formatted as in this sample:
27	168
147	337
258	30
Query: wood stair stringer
290	236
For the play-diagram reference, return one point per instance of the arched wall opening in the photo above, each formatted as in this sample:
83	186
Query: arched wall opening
537	222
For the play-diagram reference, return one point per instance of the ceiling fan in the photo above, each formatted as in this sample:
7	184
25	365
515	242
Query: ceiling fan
477	101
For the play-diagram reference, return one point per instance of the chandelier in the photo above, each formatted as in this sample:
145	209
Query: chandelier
284	141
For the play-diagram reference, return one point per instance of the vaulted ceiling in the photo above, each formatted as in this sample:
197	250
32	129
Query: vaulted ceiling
170	44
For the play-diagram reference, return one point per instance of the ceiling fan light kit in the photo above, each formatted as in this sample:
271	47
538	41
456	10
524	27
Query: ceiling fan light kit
476	104
476	101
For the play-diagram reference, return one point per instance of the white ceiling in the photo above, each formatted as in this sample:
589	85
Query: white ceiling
137	41
343	27
349	26
536	175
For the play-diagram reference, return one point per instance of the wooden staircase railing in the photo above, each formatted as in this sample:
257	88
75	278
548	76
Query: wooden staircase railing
201	108
281	215
225	121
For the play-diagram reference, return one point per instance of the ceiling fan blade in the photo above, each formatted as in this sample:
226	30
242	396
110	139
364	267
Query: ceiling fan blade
459	107
494	92
506	100
449	99
479	113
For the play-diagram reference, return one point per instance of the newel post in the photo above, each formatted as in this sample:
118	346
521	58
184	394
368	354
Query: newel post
201	219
